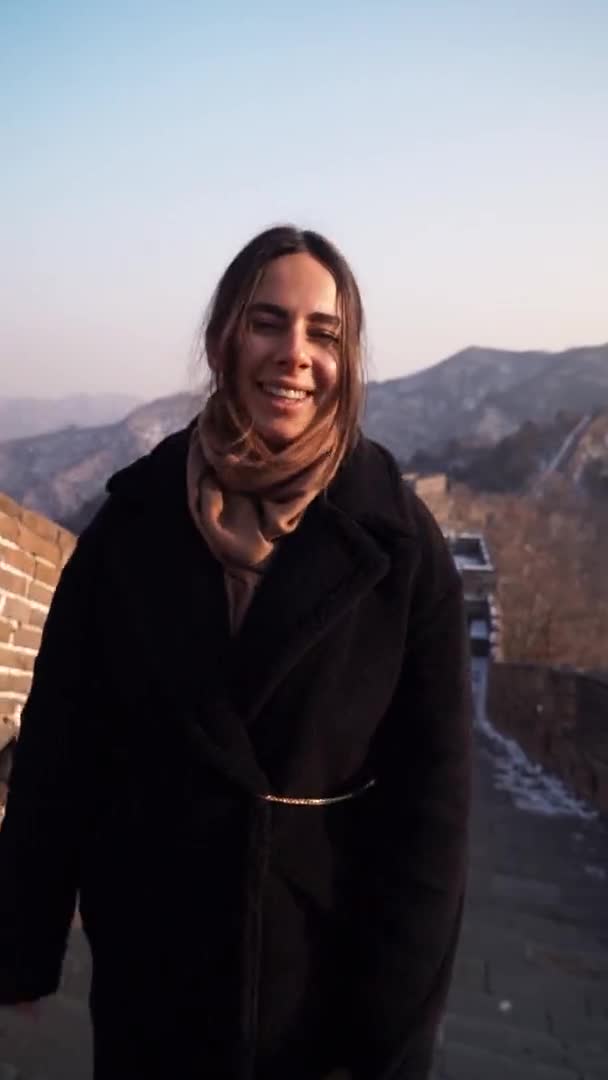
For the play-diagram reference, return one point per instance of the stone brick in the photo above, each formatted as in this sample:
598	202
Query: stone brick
27	636
10	706
9	506
19	684
588	963
37	545
558	717
40	593
37	618
16	659
529	1015
67	543
8	729
9	528
12	583
18	609
518	889
497	1034
465	1062
6	630
40	525
14	558
48	575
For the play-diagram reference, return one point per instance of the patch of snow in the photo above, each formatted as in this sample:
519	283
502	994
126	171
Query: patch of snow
469	562
530	787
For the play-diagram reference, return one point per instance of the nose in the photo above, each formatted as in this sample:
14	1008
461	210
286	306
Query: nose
294	354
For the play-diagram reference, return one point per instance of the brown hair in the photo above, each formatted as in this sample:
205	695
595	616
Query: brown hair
224	323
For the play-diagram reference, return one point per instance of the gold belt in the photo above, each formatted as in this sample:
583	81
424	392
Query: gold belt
288	800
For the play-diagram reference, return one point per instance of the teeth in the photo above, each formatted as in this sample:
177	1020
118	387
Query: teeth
283	391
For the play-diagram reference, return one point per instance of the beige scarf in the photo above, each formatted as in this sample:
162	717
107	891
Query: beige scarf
244	497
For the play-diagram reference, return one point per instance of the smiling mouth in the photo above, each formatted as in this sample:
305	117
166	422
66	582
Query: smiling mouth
285	393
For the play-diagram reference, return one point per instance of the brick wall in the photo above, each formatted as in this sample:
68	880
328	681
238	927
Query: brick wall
480	583
428	487
552	589
33	551
560	718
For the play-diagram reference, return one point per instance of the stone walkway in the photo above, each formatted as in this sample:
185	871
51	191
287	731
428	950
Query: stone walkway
530	997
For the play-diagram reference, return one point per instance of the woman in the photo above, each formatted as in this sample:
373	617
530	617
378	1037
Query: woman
246	747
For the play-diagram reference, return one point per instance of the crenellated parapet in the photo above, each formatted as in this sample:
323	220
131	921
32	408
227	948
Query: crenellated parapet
33	551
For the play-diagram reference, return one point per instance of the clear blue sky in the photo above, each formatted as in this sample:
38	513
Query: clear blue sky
456	150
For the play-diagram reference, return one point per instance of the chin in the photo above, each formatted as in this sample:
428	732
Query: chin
279	435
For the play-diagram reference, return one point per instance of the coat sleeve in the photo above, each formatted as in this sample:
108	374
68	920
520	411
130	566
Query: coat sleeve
415	835
53	785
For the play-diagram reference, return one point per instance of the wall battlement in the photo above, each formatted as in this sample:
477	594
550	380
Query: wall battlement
560	718
475	565
33	551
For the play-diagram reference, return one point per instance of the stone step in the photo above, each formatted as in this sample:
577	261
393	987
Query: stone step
563	999
461	1061
531	924
507	1039
530	1015
515	897
521	938
518	955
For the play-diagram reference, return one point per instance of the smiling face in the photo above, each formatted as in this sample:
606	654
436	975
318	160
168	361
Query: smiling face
287	361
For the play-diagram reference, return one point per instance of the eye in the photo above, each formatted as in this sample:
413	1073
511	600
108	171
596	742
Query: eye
326	336
264	324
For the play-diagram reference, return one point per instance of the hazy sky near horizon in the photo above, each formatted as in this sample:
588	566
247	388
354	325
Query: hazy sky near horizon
456	150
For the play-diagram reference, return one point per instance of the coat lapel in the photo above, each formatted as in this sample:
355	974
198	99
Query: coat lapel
319	572
200	651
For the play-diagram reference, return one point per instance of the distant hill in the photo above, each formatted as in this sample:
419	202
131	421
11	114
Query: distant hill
477	397
571	448
23	417
483	395
58	473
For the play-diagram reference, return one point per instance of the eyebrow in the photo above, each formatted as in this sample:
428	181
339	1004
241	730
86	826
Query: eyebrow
262	308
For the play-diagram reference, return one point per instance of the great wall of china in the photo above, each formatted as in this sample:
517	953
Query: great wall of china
558	716
33	552
529	997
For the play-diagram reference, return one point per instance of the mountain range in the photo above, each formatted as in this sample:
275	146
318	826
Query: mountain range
482	395
22	417
58	473
478	397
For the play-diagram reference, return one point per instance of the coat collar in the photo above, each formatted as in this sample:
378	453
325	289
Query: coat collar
366	487
341	550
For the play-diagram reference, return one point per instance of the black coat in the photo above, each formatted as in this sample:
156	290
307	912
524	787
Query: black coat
234	936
